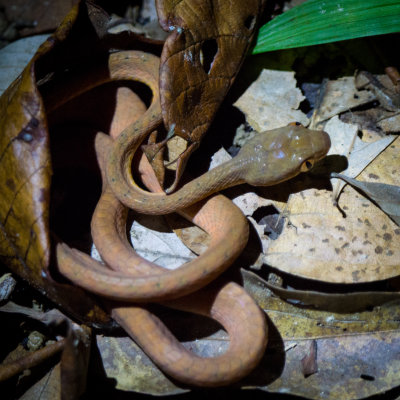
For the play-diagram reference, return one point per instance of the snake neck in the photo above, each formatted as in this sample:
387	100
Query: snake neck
219	178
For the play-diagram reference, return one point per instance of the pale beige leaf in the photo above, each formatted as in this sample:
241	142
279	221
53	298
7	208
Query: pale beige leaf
342	136
321	243
272	101
219	157
359	154
153	240
15	57
249	202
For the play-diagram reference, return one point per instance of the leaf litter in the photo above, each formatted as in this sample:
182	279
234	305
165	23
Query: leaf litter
353	242
335	334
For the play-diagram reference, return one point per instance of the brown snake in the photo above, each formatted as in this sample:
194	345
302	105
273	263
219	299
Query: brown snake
231	305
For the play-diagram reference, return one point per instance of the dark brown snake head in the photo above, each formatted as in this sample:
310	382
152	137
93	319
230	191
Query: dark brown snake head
200	59
275	156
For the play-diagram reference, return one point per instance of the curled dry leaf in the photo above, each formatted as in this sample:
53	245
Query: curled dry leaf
334	302
25	165
351	348
199	61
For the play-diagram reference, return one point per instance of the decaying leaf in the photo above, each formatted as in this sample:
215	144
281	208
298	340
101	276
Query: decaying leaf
349	302
348	367
386	117
337	97
381	87
387	197
272	101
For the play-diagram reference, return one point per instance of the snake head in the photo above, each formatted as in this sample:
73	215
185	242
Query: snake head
274	156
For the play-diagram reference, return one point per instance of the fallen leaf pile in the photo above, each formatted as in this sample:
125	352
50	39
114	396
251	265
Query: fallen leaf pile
353	241
324	270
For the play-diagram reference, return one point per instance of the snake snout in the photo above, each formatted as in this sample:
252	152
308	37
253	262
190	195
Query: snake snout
321	145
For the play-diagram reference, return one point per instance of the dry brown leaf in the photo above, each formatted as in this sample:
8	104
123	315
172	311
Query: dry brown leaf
37	16
124	361
309	361
200	61
349	367
132	370
74	361
25	167
191	236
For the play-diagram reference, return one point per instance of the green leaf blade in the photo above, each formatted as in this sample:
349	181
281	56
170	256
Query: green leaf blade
319	21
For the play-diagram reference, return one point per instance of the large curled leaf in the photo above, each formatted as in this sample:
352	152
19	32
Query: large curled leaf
26	166
200	61
317	22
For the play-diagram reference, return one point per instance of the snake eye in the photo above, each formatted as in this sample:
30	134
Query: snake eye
307	165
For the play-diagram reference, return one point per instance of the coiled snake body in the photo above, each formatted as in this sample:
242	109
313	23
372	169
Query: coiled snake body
266	160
